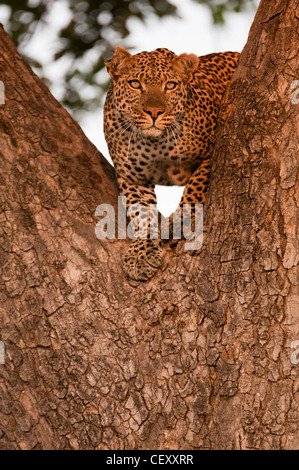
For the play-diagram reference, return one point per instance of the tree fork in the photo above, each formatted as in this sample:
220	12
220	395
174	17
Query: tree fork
200	357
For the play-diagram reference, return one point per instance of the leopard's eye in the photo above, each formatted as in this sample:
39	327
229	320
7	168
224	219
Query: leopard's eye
135	84
170	85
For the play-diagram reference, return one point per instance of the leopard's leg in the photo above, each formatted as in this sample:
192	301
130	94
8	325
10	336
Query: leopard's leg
194	194
196	188
144	255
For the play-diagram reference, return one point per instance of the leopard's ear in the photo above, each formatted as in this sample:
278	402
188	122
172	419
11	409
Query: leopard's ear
185	65
120	61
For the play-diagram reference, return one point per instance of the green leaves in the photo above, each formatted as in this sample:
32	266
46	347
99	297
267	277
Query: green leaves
218	8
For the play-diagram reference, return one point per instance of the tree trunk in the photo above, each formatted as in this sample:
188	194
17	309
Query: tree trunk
204	355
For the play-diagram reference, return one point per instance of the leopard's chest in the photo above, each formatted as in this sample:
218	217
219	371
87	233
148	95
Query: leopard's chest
153	160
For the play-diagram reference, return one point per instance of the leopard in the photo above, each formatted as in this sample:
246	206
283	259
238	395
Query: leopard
160	116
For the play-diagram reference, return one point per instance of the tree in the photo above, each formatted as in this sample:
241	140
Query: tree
203	356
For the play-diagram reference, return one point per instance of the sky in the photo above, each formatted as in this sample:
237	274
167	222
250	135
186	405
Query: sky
192	32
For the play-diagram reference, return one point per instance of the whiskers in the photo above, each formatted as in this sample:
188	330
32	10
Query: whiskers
176	133
134	133
119	129
179	129
180	134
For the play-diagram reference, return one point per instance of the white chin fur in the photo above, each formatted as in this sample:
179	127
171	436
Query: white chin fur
152	132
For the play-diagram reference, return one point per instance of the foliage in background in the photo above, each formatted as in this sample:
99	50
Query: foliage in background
92	30
218	8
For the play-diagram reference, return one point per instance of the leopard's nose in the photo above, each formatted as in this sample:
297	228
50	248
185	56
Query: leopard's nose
154	112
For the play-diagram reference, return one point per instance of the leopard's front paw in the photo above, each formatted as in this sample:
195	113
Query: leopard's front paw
142	259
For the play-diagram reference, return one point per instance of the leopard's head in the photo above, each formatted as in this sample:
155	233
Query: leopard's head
150	88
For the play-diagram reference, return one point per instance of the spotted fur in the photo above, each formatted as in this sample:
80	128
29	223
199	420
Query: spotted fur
159	119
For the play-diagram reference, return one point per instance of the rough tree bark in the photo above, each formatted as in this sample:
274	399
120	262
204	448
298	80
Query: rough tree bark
198	357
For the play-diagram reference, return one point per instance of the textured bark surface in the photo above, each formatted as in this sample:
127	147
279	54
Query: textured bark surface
198	357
